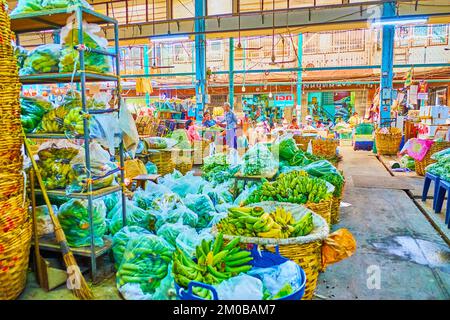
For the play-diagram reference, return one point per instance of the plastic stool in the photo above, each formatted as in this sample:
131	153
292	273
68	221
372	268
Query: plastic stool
426	186
444	187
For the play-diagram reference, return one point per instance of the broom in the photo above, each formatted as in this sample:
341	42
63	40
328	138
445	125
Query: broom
80	288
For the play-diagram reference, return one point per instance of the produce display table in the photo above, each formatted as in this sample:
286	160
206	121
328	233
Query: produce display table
143	178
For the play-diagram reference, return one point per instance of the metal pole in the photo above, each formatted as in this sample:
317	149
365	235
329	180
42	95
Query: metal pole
300	72
119	105
200	57
86	140
146	72
387	65
231	73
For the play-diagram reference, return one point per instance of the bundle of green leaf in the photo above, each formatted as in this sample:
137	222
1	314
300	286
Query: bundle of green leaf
302	158
74	219
441	154
293	187
54	164
94	62
32	111
258	161
27	6
285	149
145	261
43	59
215	160
181	136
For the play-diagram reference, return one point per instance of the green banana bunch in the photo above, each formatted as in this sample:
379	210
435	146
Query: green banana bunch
216	262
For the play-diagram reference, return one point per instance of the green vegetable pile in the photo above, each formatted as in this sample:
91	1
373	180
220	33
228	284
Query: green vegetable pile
294	187
286	149
258	161
32	112
145	261
441	168
74	219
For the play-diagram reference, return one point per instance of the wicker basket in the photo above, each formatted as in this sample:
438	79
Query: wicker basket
162	159
436	147
16	213
325	147
323	209
201	150
305	251
303	141
388	143
14	254
184	164
335	206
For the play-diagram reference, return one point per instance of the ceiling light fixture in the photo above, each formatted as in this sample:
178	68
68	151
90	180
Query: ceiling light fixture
398	20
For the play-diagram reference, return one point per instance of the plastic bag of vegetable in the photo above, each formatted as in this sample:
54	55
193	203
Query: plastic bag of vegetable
244	195
21	54
27	6
258	161
166	202
43	221
135	217
165	291
182	185
181	136
170	231
280	280
407	162
32	111
94	62
438	155
320	168
43	59
202	205
74	219
284	147
145	262
180	214
102	170
111	200
241	287
121	238
99	101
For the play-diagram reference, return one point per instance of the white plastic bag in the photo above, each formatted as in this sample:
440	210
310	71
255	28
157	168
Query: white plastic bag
242	287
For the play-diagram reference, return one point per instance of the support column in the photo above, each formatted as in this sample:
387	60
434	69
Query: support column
299	74
200	57
231	73
146	72
387	64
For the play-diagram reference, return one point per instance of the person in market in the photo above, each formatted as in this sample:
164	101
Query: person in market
294	124
207	121
329	125
193	135
230	124
309	123
354	120
320	125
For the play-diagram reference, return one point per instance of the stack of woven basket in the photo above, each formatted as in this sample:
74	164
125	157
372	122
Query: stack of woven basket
15	223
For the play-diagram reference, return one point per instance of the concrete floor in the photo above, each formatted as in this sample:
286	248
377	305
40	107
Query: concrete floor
396	243
397	247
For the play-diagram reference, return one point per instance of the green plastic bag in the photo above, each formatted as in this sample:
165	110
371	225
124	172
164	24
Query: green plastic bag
135	217
74	219
121	238
43	59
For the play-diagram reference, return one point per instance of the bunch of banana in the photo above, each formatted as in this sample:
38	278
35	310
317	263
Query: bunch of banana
53	121
304	226
74	121
294	187
216	262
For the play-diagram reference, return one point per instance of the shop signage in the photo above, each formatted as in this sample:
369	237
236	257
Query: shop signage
422	93
283	100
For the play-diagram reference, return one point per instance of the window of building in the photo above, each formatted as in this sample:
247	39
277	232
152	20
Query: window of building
214	50
215	7
182	52
419	36
183	9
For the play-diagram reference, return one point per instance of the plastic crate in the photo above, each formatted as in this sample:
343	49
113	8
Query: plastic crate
363	145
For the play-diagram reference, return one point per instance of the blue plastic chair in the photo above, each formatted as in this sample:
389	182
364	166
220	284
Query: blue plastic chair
444	187
426	186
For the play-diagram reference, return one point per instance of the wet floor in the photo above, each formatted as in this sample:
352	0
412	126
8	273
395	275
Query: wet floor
419	251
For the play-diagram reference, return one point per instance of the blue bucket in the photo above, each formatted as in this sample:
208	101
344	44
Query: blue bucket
263	259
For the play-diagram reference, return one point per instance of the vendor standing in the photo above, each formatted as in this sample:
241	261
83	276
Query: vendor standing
207	121
354	120
230	124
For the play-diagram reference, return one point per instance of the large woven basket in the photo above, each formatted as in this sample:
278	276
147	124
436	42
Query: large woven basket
201	150
14	254
16	213
335	207
388	143
162	160
305	251
184	164
436	147
325	147
323	209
